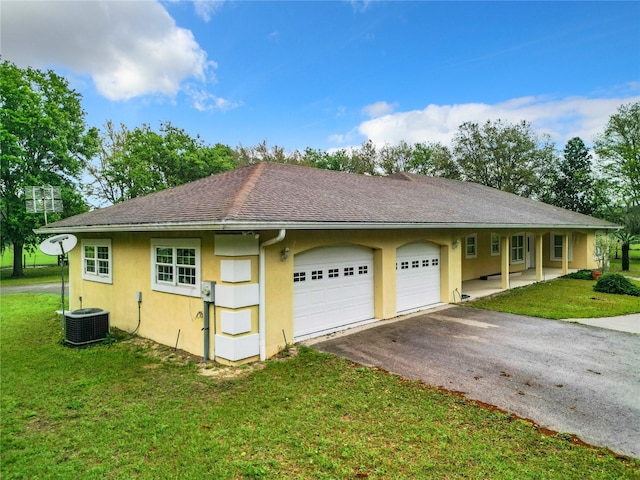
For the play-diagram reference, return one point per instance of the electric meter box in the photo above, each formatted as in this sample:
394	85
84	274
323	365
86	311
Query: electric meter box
208	291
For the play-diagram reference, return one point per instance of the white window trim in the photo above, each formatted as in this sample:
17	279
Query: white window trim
473	254
512	248
495	236
552	255
187	290
97	277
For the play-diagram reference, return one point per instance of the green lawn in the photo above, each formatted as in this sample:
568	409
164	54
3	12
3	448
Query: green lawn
634	262
33	259
560	298
115	411
33	275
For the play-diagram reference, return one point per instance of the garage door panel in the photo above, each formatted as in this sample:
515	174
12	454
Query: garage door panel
335	288
417	276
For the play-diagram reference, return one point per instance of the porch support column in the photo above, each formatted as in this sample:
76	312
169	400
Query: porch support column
565	254
384	266
504	262
539	270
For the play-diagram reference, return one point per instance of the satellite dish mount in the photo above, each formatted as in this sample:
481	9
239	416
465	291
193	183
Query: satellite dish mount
59	245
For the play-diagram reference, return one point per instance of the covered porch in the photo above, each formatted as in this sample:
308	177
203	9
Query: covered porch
494	284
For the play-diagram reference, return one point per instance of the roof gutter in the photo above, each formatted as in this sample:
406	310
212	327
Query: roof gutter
252	225
262	287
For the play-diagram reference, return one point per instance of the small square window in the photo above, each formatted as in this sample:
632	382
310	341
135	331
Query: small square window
425	263
299	276
334	272
415	263
348	271
316	275
404	265
363	270
434	262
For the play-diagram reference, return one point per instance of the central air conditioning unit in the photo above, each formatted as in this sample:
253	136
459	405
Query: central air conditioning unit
86	326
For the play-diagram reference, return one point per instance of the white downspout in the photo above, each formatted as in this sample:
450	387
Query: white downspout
261	280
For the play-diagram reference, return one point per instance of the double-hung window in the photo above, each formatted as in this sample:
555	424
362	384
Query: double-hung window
97	260
517	248
175	264
471	246
495	244
556	247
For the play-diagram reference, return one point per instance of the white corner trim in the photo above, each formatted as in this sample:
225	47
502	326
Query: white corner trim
237	296
236	245
235	322
237	348
235	271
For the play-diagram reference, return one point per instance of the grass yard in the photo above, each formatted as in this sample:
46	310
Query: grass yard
117	412
33	259
33	275
560	298
634	262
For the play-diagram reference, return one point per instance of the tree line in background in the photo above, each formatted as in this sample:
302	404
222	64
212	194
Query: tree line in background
44	140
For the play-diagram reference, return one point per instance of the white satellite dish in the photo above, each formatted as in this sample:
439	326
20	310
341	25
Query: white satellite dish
59	244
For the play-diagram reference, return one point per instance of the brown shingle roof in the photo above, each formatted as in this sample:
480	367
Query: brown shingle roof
270	195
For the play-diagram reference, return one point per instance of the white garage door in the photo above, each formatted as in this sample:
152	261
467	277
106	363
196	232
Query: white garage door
417	276
332	288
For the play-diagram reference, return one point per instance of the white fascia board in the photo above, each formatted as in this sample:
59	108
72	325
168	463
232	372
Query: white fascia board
173	227
237	226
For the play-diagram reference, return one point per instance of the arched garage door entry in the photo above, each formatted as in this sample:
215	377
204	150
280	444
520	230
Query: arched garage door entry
332	288
417	276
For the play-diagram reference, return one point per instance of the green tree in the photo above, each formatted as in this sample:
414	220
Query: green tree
573	185
364	159
504	156
132	163
433	159
44	140
396	158
263	153
338	160
619	151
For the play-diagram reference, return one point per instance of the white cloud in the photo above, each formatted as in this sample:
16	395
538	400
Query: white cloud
205	101
273	36
378	109
561	119
206	8
360	6
129	48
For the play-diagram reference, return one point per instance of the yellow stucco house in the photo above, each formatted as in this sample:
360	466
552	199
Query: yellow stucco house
297	252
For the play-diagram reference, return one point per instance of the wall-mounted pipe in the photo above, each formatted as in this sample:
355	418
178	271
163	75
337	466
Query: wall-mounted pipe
262	287
205	329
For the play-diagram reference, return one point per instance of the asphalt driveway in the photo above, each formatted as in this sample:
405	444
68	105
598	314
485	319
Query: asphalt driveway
567	377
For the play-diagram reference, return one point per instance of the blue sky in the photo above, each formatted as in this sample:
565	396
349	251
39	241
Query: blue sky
333	74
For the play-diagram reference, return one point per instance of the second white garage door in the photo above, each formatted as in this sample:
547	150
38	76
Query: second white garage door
332	288
417	276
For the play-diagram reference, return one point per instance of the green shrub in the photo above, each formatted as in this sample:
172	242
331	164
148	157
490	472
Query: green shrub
616	283
580	275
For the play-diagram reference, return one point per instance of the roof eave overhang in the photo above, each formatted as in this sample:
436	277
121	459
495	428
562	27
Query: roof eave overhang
261	225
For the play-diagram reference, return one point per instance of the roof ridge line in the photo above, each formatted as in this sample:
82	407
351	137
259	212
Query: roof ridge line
242	195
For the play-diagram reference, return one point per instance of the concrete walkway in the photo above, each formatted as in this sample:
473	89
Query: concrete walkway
481	288
624	323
